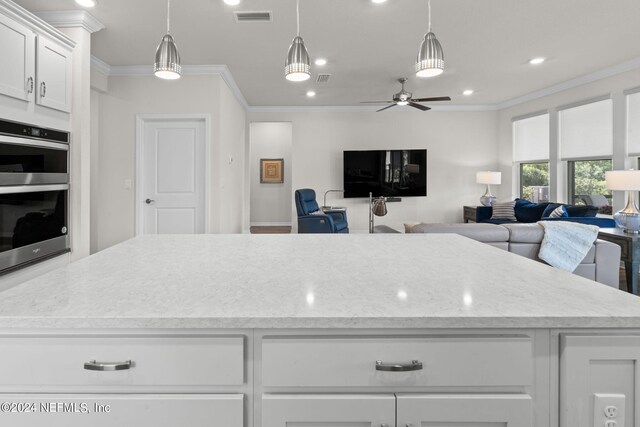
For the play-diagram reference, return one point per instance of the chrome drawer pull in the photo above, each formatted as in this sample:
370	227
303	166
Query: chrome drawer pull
415	365
93	365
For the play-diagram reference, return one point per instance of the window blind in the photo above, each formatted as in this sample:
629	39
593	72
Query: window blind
531	139
633	124
586	131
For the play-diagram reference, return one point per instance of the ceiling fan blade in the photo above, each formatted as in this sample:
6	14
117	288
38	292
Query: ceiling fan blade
419	107
388	106
376	102
437	98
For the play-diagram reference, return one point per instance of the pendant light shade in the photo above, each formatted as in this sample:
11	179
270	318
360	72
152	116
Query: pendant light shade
296	67
167	64
430	60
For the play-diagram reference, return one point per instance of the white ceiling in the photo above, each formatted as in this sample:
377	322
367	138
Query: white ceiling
487	43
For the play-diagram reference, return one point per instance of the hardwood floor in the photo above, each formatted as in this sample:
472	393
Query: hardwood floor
270	230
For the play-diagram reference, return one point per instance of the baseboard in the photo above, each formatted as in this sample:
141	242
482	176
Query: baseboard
271	224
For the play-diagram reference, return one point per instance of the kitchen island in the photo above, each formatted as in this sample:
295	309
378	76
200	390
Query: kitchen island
298	330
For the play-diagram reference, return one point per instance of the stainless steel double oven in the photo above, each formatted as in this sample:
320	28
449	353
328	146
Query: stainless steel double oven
34	194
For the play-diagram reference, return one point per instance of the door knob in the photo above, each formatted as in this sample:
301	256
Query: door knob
149	201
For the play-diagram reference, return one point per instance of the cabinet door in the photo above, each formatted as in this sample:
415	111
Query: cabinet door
17	51
122	410
465	410
54	63
331	410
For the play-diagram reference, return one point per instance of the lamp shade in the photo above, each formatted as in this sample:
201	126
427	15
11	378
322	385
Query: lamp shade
628	180
167	64
488	177
430	61
297	68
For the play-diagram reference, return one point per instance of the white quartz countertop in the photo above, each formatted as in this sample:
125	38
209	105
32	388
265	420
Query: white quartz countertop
312	281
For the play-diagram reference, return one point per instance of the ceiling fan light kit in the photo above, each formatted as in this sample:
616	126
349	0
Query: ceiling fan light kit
430	62
167	64
296	67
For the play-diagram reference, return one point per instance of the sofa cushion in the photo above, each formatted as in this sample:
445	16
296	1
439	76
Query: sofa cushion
526	211
525	233
581	211
504	210
480	232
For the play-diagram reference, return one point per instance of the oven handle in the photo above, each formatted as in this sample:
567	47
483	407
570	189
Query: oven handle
33	188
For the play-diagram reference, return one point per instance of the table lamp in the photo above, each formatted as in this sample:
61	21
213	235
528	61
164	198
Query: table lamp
626	180
377	207
488	178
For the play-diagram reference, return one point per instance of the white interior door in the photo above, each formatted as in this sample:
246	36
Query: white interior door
172	196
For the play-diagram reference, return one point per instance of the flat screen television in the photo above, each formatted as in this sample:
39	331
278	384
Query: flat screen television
388	173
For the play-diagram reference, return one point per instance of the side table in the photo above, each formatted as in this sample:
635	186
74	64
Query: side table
469	213
630	253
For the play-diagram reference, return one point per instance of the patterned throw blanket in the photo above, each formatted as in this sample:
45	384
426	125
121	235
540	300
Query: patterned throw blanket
565	244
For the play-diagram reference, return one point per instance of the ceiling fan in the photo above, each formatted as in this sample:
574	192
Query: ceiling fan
404	98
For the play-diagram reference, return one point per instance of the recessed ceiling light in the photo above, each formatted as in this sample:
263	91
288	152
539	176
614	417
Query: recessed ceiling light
537	61
468	92
321	61
311	94
86	3
378	1
232	2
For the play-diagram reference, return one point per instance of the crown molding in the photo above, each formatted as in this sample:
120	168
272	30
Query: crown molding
624	67
25	17
187	70
72	19
364	108
100	66
223	71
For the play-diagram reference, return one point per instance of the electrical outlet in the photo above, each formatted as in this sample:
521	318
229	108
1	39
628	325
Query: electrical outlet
608	410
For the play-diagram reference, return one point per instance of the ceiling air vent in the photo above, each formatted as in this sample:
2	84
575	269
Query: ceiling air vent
323	78
252	16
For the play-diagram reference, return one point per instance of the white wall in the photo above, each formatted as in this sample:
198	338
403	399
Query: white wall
458	145
270	204
613	86
131	95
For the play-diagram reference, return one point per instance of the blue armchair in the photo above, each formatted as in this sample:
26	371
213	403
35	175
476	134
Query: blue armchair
312	220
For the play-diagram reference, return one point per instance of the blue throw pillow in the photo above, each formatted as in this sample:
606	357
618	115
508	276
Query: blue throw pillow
527	211
559	212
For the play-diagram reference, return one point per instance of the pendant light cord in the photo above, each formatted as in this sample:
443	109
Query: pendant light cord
298	15
168	12
429	5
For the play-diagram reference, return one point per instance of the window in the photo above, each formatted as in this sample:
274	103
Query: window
586	178
531	153
534	181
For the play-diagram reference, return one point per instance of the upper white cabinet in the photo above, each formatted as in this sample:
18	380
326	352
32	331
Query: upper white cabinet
18	50
35	67
53	71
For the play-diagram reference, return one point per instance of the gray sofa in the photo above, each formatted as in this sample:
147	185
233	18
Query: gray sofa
601	264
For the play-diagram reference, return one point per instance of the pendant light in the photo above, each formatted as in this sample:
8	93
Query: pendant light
296	67
167	65
430	60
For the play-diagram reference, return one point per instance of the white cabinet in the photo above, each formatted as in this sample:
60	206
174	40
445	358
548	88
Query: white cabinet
160	410
38	76
503	410
604	366
53	71
330	410
379	410
18	53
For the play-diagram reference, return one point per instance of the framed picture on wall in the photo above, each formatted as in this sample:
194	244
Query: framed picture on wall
271	171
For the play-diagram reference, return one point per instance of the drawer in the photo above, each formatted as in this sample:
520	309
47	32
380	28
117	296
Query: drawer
155	361
351	362
122	410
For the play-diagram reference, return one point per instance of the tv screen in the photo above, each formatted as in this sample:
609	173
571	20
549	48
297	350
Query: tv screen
388	173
